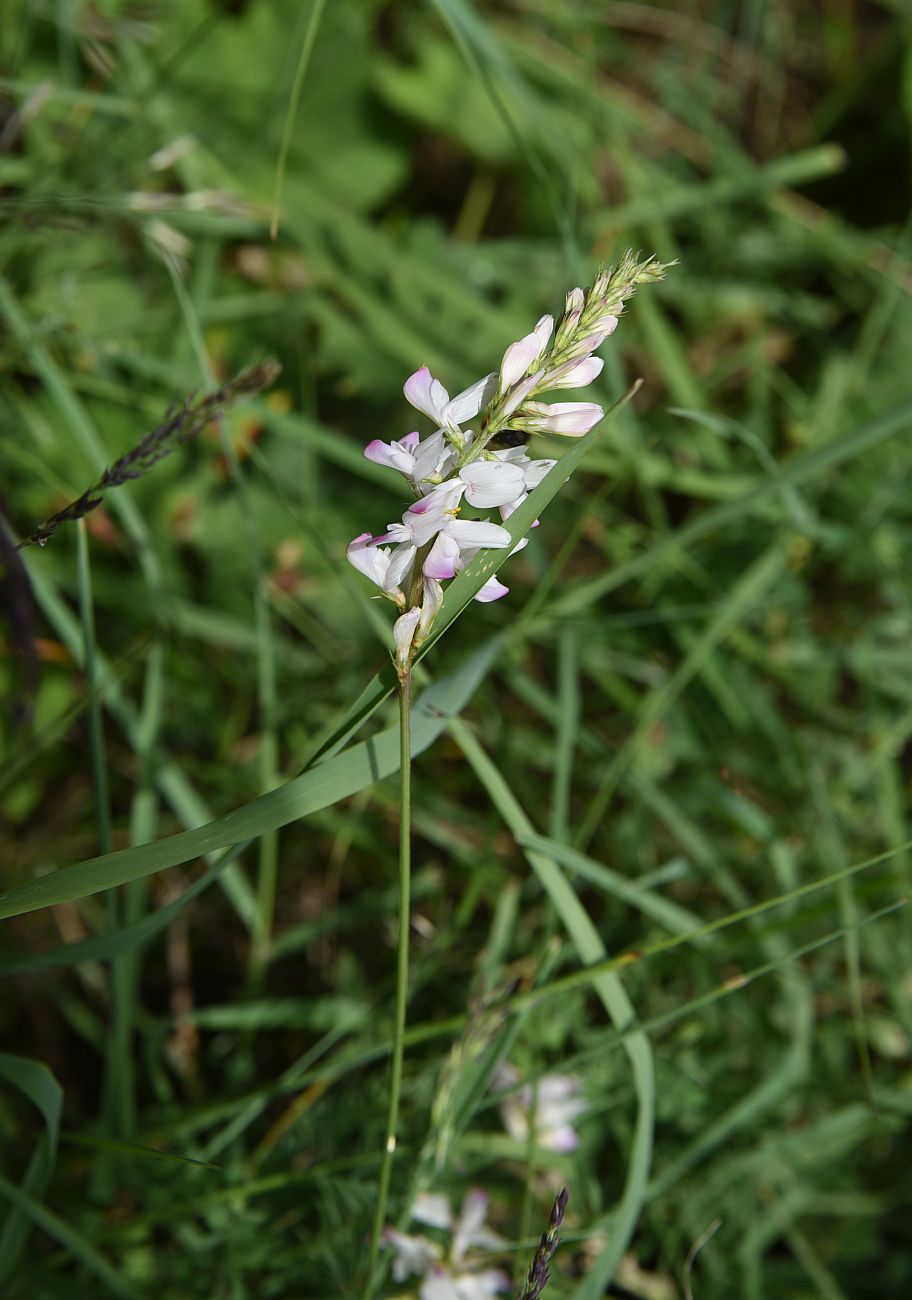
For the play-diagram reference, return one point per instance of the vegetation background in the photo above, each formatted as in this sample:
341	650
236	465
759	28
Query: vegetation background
699	720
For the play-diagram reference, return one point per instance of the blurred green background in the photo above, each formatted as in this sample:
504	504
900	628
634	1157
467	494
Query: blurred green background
705	700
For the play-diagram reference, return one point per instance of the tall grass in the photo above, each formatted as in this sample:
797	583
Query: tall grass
660	827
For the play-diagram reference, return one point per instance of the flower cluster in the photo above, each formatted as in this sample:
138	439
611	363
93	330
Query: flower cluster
456	1274
459	463
549	1109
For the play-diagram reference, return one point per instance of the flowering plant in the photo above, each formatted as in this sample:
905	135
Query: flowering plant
460	463
459	1273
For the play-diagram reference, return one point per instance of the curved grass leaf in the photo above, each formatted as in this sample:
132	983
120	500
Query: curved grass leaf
36	1082
70	1239
337	778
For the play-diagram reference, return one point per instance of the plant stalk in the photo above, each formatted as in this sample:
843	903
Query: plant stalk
402	969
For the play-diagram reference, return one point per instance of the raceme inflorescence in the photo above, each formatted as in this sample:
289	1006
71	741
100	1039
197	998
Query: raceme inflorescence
459	463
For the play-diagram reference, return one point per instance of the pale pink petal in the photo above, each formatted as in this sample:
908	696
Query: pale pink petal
520	392
576	301
512	506
562	1139
411	1254
492	482
442	557
571	418
536	470
431	457
492	590
606	325
482	1285
521	355
516	455
478	533
471	400
404	634
543	329
426	394
400	565
576	374
596	338
471	1217
395	455
438	1285
373	561
432	1208
395	533
431	601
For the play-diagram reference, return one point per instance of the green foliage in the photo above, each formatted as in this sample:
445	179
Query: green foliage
665	844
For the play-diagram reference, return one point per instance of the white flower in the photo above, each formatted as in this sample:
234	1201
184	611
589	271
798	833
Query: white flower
373	560
434	517
557	1103
427	394
417	460
457	1276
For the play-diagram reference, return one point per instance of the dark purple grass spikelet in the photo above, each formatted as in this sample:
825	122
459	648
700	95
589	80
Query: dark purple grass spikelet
540	1268
182	423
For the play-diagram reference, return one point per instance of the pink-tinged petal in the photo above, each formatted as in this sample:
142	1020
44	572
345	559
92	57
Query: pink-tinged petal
536	470
562	1139
411	1254
369	559
576	301
404	634
544	329
516	455
570	418
520	392
518	358
470	401
576	374
492	590
441	559
431	600
512	506
400	565
596	338
426	394
410	441
392	454
395	533
492	482
471	1217
482	1284
432	1208
431	457
478	533
606	325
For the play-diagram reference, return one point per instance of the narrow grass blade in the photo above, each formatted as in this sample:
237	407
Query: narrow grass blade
360	766
590	950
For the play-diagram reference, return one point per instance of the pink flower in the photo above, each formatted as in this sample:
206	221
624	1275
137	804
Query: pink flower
569	418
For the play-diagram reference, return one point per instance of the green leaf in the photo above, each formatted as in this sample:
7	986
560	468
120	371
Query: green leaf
358	767
36	1082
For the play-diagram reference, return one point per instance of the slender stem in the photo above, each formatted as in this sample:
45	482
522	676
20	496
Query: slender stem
402	967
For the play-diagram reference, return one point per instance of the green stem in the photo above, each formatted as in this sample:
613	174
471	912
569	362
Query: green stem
402	967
